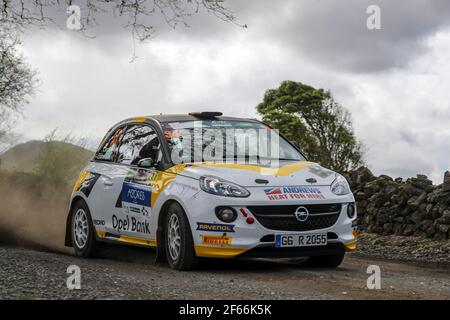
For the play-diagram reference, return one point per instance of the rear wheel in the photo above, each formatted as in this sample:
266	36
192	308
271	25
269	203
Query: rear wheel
179	244
82	231
327	261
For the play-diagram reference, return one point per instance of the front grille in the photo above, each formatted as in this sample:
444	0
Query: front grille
289	210
282	217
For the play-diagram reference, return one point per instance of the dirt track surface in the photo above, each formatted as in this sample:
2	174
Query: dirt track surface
129	273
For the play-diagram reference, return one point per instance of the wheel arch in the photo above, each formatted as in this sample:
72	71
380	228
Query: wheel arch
160	250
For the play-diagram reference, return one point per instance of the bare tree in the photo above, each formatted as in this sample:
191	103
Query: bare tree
137	13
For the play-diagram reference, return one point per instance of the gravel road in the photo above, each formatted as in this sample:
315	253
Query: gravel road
129	273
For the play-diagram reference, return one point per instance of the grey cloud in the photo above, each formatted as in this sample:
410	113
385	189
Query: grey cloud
409	137
334	33
330	33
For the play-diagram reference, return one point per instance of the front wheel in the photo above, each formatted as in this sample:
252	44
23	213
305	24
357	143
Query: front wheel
327	261
179	244
82	231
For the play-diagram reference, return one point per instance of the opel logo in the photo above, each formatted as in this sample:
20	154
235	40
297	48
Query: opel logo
301	214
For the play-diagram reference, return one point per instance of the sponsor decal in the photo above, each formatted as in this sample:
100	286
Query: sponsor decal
273	191
145	212
216	240
293	192
130	224
215	227
135	210
136	194
98	222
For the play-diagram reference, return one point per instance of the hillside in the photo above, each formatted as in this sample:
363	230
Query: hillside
22	157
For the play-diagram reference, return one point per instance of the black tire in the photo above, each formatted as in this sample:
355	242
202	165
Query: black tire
327	261
186	258
90	246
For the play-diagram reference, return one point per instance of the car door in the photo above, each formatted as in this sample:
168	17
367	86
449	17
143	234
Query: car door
139	152
105	201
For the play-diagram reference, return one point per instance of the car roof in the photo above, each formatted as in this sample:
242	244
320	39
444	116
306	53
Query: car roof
182	117
188	117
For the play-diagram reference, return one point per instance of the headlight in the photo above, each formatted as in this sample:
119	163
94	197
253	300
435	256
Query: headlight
340	186
222	187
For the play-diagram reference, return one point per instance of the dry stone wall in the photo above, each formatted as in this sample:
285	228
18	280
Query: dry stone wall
412	207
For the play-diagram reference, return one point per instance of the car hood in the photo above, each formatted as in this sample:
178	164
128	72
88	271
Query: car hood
281	173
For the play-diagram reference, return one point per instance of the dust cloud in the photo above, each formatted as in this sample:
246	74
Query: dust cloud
31	220
35	218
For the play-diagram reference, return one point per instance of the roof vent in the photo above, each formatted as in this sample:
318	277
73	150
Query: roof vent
206	114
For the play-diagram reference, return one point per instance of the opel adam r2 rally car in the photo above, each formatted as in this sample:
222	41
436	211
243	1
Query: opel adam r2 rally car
151	184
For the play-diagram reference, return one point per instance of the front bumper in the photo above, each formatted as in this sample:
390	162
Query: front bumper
269	251
245	239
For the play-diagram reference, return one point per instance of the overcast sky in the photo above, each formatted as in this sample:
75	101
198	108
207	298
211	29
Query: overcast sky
394	81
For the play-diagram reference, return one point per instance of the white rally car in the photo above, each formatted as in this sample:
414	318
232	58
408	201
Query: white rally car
135	192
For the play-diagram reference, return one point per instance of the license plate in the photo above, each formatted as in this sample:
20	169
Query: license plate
300	240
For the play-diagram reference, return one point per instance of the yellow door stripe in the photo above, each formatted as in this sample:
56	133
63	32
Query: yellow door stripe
83	175
163	178
217	252
280	171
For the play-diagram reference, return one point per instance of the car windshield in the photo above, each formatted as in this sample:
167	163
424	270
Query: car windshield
226	141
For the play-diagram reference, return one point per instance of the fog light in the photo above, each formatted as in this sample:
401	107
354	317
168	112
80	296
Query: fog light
226	214
351	211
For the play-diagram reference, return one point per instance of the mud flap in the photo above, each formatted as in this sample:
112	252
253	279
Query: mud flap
68	238
160	252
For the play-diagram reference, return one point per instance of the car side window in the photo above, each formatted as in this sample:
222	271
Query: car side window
109	150
139	142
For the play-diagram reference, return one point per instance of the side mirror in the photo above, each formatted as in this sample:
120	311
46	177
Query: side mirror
146	163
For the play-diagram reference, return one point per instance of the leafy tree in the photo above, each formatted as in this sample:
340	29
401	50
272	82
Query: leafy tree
315	122
17	81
